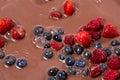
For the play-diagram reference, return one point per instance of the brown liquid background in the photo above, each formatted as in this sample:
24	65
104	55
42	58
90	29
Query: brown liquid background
29	13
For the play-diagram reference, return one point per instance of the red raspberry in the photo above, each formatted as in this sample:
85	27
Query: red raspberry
55	14
95	35
18	33
2	42
56	45
69	39
110	74
110	31
98	56
84	39
95	70
96	24
69	8
114	63
6	24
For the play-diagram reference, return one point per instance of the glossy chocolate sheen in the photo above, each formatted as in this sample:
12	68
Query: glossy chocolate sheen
29	13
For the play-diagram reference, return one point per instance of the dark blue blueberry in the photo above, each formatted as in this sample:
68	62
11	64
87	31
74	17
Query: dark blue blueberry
70	61
10	60
2	54
52	78
80	63
117	51
98	45
87	54
85	71
57	37
78	49
53	71
21	63
62	75
47	45
103	66
38	30
107	51
72	71
115	43
68	50
60	31
47	35
62	57
48	54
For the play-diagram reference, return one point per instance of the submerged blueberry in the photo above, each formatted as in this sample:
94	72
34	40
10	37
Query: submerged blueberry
62	57
52	78
53	71
62	75
21	63
117	51
78	49
60	31
107	51
87	54
98	45
80	63
47	45
10	60
57	37
47	35
48	54
72	71
2	54
68	49
115	43
38	30
103	67
70	61
85	71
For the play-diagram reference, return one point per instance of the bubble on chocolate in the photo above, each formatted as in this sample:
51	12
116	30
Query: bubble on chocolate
98	1
39	42
8	35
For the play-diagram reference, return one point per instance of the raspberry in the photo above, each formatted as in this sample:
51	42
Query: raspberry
69	39
98	56
95	35
114	63
56	45
110	74
95	70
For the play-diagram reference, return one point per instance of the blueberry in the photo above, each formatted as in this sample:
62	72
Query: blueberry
53	71
85	71
78	49
103	67
115	43
107	51
2	54
21	63
117	51
87	54
80	63
57	37
48	54
70	61
52	78
47	45
60	31
98	45
38	30
47	35
62	57
72	71
62	75
10	60
68	49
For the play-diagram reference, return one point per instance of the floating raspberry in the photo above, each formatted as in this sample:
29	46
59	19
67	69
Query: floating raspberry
69	39
95	70
96	24
56	45
83	38
110	74
2	42
110	31
114	63
95	35
98	56
18	33
55	15
69	8
6	24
